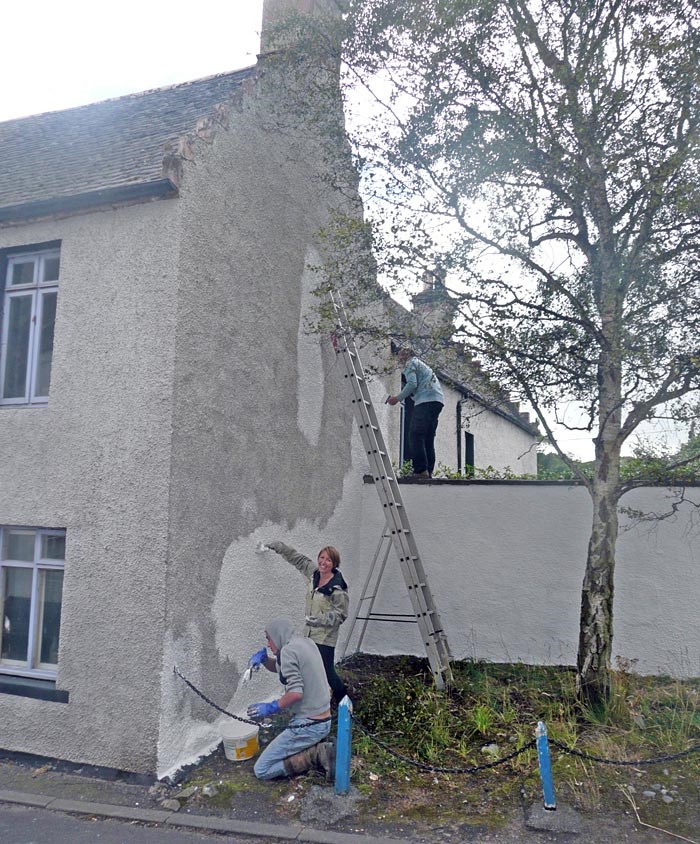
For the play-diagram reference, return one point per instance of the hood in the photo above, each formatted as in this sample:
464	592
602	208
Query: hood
336	582
280	630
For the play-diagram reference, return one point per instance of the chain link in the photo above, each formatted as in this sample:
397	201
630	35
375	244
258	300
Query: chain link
211	703
216	706
589	757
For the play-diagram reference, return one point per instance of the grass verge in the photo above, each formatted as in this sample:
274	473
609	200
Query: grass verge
491	710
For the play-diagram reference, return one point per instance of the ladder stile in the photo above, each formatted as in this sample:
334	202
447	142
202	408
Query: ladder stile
398	529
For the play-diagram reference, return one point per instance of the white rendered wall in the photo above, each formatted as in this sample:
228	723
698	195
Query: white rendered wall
498	442
505	563
95	461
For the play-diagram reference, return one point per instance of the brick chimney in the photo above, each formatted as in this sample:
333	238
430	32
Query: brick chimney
433	305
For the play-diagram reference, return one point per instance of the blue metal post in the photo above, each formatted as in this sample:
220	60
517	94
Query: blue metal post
550	800
343	747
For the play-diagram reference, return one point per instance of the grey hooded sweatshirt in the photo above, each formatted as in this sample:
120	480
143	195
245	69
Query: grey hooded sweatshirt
300	669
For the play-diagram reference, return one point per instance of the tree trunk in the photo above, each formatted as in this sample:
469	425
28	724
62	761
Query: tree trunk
594	663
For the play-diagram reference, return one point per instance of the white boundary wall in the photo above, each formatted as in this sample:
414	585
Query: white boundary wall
505	563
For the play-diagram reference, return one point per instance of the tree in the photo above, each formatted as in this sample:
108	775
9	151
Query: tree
545	156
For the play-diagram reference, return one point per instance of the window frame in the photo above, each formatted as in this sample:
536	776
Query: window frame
37	290
31	667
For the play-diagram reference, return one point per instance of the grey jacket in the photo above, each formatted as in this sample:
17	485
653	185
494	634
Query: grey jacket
421	383
300	669
327	605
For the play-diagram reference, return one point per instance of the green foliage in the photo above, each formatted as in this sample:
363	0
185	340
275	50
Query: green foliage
475	473
395	699
551	467
650	466
691	449
483	718
405	470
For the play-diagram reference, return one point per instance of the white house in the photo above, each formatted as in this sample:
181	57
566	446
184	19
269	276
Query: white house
162	410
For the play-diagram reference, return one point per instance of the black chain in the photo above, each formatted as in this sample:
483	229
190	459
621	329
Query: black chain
634	763
216	706
211	703
438	769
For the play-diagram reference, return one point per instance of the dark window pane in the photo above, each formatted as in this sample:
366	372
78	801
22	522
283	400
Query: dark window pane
22	272
17	352
53	547
43	366
15	614
51	587
19	546
51	266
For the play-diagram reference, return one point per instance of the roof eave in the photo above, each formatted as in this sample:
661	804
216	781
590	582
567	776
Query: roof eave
489	404
75	203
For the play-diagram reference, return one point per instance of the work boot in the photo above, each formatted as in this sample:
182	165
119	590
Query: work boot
297	764
322	757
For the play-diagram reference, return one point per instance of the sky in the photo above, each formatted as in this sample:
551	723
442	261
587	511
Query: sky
62	53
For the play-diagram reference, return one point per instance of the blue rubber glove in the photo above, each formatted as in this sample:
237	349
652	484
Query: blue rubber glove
257	659
262	710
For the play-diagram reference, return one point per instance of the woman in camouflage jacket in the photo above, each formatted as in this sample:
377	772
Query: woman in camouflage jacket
326	604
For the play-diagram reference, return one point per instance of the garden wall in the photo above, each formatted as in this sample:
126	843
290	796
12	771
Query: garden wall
505	563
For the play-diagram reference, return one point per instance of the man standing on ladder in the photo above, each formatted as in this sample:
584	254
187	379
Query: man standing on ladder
428	400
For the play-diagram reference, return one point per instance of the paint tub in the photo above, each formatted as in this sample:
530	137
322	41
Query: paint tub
240	742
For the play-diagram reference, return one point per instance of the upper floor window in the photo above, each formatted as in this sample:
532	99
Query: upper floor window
28	319
31	587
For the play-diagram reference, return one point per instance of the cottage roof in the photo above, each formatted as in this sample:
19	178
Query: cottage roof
105	151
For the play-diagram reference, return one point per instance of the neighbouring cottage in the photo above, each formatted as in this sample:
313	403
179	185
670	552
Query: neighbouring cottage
162	410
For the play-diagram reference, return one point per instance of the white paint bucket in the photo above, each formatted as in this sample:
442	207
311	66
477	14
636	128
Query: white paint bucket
240	742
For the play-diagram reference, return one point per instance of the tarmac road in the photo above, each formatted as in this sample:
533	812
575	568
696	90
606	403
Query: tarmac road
29	825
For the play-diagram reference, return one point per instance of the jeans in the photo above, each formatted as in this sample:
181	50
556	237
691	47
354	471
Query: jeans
300	734
336	684
421	435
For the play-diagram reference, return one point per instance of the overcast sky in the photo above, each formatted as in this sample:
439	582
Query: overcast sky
61	53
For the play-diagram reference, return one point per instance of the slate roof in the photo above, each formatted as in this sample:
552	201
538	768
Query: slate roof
104	147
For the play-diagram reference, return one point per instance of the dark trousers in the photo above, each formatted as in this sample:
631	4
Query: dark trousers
421	435
338	687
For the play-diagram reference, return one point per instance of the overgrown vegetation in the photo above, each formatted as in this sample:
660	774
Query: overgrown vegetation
492	709
489	711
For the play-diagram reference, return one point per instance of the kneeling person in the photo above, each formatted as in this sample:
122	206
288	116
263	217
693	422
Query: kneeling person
307	697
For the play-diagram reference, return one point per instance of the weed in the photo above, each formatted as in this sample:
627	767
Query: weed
501	704
482	717
405	470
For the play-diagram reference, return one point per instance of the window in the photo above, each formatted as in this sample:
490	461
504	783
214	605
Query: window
468	454
31	584
29	314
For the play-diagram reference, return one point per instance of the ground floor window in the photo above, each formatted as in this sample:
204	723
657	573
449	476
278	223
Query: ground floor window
31	586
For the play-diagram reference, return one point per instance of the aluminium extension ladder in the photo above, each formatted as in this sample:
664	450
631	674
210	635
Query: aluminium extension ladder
398	530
